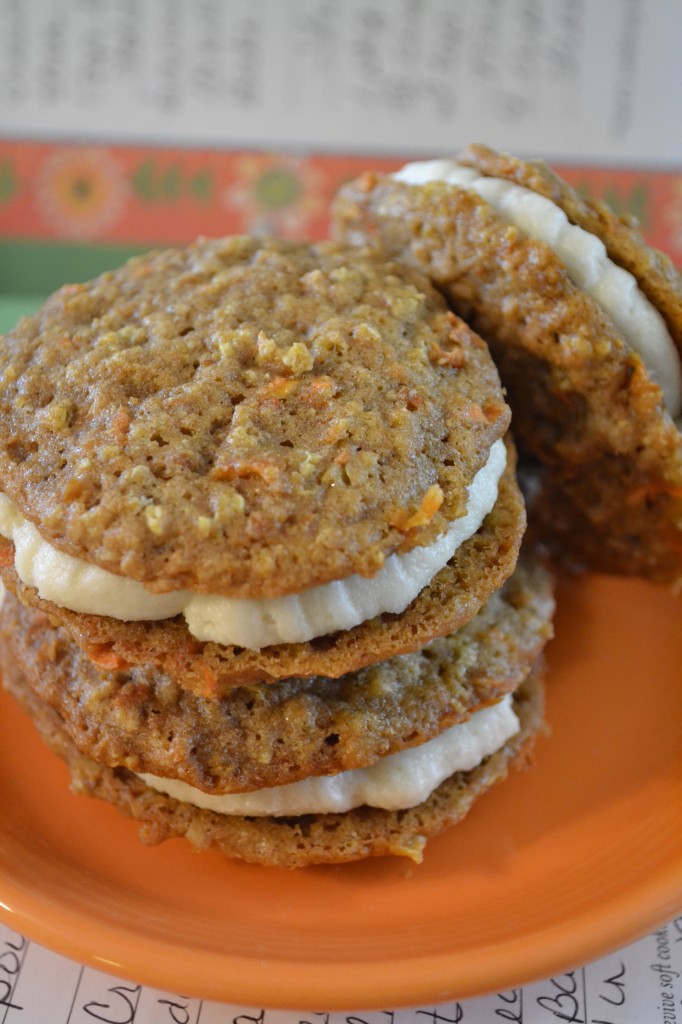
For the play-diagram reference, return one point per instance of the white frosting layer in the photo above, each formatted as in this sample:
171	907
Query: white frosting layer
584	255
395	782
75	584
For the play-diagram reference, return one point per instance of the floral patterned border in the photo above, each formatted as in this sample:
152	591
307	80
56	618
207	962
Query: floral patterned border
117	194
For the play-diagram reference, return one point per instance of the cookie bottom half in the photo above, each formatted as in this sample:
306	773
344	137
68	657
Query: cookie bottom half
290	842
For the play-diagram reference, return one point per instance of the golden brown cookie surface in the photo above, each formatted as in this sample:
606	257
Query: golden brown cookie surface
245	417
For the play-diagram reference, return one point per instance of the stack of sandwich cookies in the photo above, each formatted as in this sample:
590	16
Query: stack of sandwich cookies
306	770
585	324
231	475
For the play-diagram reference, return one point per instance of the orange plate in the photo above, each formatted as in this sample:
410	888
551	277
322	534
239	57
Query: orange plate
554	867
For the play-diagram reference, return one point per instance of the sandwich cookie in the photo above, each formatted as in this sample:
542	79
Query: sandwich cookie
251	459
585	324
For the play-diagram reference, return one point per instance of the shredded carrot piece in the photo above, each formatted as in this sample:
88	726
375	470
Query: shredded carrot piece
280	387
492	411
476	414
108	659
240	469
317	392
430	503
209	678
447	357
120	423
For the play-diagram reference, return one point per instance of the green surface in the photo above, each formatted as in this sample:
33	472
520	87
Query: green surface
29	271
38	268
14	306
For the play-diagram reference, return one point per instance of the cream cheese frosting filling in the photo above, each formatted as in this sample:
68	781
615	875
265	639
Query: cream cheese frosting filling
73	583
394	783
584	255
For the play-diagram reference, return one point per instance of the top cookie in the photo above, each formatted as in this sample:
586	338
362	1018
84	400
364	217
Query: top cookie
245	417
655	272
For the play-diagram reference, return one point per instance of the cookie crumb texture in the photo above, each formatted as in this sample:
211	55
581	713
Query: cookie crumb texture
245	417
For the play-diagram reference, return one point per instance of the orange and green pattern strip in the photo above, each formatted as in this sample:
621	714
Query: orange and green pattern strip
132	195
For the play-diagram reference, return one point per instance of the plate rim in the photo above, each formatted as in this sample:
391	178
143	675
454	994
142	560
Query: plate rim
588	936
631	908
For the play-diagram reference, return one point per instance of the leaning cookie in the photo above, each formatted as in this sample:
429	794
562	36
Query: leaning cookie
585	324
254	444
390	807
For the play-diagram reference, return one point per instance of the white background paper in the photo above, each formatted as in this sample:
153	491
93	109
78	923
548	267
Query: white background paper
641	984
572	80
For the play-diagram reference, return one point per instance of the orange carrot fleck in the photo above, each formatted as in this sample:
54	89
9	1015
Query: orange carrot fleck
108	659
476	414
366	181
280	387
430	503
119	424
240	469
209	680
447	357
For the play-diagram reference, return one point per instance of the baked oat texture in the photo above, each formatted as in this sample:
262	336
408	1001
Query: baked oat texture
299	841
245	417
478	568
584	406
264	735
